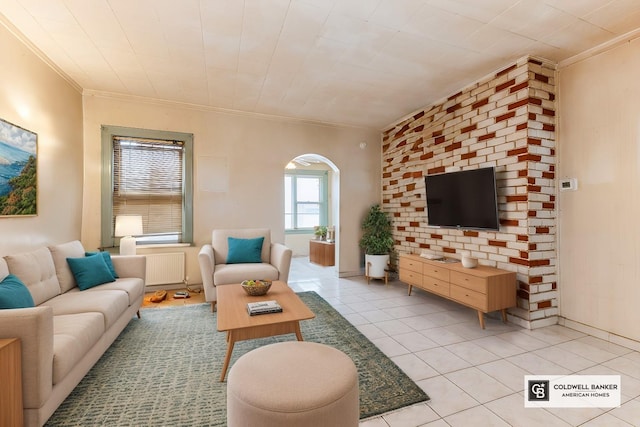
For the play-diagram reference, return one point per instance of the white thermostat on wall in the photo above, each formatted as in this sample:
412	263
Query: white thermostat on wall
568	184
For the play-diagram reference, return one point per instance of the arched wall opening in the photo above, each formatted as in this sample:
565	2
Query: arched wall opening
298	240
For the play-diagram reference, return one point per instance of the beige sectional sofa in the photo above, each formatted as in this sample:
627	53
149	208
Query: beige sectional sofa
68	330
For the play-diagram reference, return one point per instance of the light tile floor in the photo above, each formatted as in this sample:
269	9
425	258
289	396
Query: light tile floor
474	377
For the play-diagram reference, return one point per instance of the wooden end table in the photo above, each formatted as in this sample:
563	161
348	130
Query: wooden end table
235	320
11	382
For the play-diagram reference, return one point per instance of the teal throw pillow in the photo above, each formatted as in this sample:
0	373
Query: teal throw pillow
107	260
14	293
90	271
244	250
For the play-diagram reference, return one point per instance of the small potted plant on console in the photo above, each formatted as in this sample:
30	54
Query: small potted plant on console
377	242
320	232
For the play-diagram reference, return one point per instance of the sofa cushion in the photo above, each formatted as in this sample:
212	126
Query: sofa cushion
244	250
133	287
14	294
37	272
60	253
73	337
225	274
107	260
90	271
110	303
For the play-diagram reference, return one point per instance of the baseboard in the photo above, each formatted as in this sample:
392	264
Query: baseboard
170	286
599	333
351	273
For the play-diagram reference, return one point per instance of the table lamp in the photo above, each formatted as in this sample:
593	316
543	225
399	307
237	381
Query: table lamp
128	226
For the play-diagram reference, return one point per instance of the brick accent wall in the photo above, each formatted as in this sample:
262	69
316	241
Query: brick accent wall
506	120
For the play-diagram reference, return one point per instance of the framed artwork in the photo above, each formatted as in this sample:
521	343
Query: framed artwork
18	173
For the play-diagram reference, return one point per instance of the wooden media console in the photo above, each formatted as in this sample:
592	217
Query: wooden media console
482	288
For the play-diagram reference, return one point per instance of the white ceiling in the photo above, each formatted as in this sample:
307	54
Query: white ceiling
356	62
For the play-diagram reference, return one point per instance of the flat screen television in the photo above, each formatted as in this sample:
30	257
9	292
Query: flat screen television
463	199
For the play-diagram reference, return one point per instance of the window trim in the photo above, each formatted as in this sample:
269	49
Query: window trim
324	198
106	210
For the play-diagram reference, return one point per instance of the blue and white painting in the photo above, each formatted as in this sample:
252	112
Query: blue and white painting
18	174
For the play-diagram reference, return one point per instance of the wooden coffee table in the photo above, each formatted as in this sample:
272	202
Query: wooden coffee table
235	320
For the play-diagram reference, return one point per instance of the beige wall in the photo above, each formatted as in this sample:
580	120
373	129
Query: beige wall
255	150
599	227
35	97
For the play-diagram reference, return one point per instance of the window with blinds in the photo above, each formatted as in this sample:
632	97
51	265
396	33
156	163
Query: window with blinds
147	181
147	173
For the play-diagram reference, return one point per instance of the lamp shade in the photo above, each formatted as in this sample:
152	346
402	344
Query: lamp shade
128	225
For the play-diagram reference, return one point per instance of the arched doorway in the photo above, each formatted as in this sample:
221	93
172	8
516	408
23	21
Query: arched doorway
302	174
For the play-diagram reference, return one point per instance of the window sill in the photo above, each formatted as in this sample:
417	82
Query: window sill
163	245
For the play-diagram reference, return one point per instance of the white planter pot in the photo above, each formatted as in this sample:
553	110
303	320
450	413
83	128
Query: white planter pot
375	265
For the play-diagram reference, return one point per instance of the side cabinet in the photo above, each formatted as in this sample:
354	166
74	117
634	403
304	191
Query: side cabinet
10	383
483	288
322	253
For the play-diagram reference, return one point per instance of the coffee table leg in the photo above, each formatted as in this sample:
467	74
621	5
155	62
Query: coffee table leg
230	343
298	333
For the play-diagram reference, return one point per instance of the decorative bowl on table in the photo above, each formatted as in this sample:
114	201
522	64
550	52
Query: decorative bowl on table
256	287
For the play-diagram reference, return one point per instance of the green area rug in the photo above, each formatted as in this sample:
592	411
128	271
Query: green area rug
164	369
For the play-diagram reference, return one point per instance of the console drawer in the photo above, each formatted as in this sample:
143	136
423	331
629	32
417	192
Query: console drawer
435	272
410	264
436	286
468	297
410	277
478	284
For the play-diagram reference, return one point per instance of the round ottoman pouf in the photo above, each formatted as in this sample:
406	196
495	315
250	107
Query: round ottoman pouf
293	383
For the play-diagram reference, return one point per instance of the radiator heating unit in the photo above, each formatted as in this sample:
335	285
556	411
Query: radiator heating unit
165	269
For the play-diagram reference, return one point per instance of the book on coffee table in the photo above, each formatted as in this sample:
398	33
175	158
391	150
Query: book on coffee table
263	307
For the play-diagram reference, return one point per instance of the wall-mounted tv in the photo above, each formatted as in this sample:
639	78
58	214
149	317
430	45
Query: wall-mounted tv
463	199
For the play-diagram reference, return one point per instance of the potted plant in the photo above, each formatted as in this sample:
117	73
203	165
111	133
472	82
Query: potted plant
320	231
377	241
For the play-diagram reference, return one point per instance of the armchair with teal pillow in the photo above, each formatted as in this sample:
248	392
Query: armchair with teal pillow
235	255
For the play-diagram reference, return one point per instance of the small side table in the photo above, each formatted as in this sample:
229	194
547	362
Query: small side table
322	252
11	385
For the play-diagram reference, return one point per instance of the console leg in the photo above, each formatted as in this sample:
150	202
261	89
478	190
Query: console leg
504	315
481	319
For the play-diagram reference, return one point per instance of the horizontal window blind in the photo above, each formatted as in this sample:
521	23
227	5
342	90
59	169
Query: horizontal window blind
148	181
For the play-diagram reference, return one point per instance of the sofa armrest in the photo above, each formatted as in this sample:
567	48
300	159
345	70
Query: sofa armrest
281	259
207	262
34	327
130	265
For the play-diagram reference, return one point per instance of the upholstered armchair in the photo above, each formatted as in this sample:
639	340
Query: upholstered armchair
233	257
